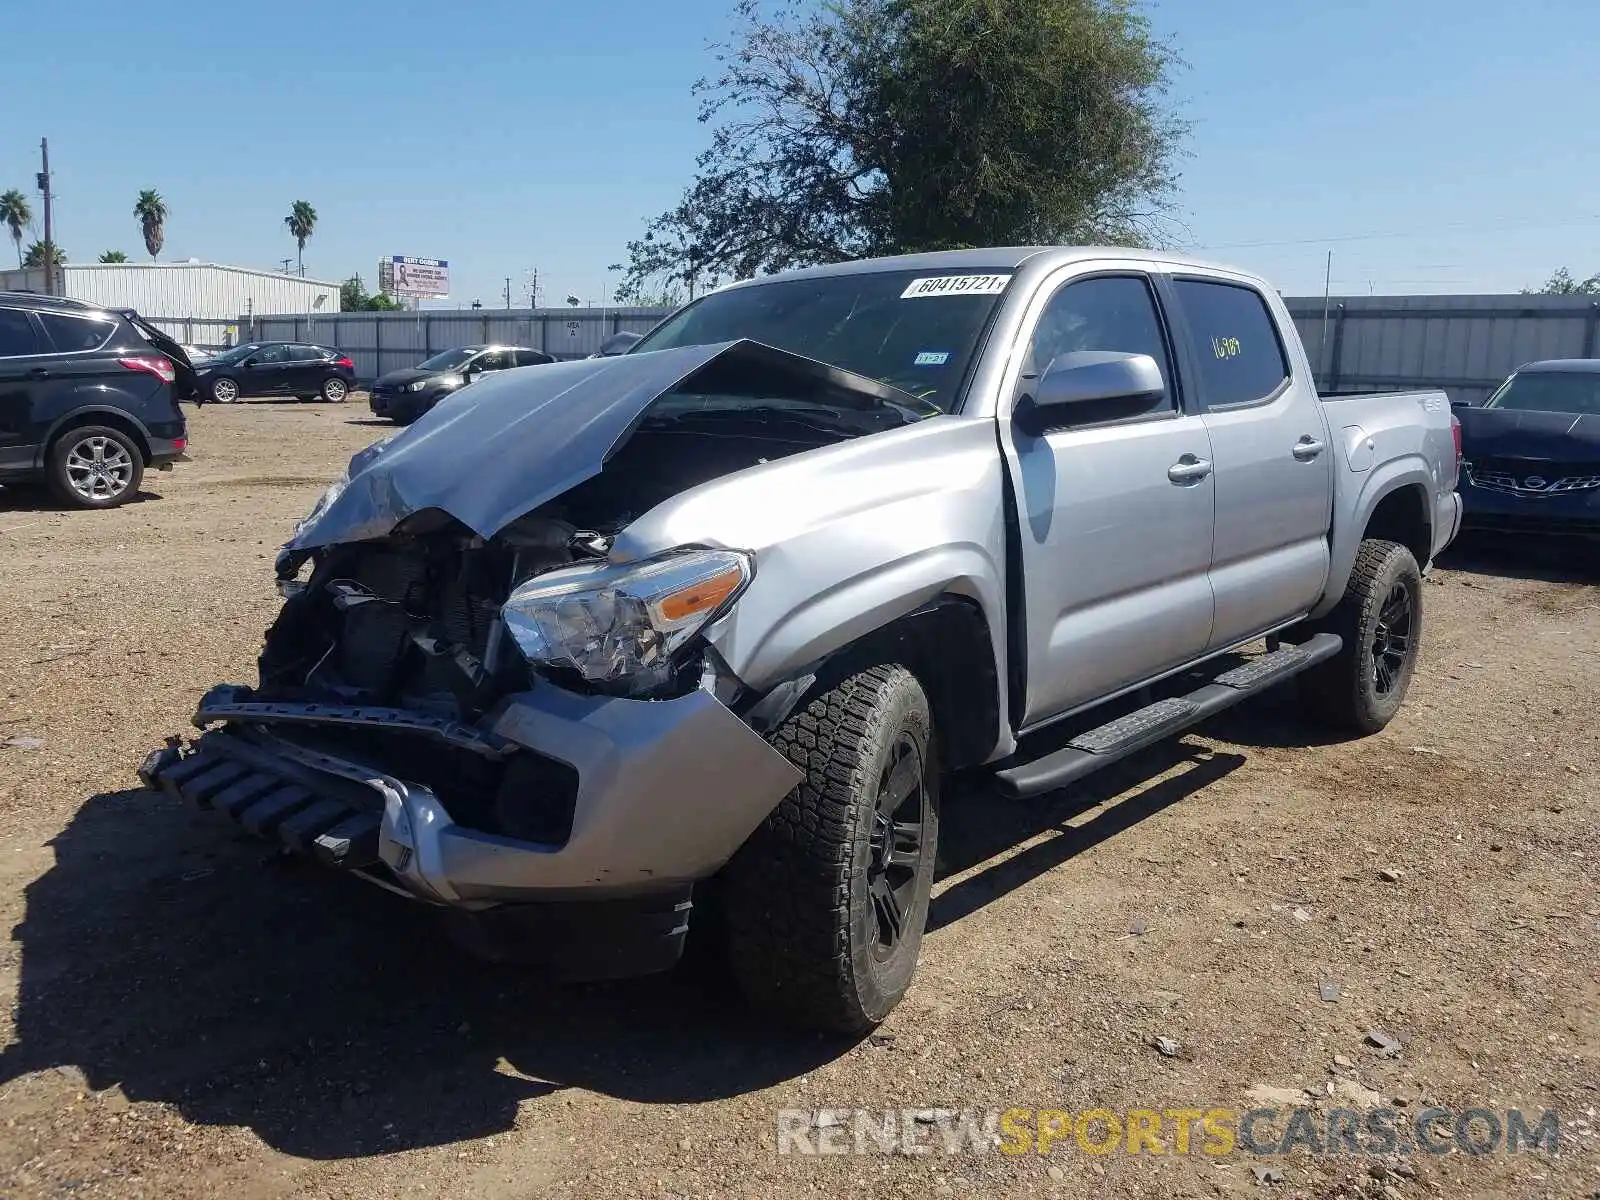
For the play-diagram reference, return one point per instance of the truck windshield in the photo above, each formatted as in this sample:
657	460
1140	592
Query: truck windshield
1576	392
915	331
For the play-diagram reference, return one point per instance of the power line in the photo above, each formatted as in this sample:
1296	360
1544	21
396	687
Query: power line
1457	227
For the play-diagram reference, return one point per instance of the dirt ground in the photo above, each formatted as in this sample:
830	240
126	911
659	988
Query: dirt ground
191	1016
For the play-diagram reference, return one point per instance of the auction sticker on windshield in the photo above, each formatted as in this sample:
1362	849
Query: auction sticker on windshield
955	285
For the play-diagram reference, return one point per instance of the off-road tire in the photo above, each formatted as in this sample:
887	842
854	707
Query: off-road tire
803	933
1345	691
68	456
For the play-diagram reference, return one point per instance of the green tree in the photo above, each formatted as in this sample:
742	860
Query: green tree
862	127
113	256
16	216
151	212
301	223
1561	283
354	297
34	255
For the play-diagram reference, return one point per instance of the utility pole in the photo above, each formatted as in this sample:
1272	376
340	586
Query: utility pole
49	221
286	262
508	291
533	290
1327	288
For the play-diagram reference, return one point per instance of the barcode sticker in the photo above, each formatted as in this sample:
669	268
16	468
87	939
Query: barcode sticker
955	285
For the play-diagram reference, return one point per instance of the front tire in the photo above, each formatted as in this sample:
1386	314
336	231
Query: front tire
334	390
1380	619
224	390
95	466
826	903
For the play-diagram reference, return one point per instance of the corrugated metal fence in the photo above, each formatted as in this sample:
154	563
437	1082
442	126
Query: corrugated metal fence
380	342
1463	344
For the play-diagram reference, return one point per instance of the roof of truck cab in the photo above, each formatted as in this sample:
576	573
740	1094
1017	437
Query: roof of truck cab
1562	364
996	258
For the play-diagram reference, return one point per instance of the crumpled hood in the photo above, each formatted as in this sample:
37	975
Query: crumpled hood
1514	433
521	438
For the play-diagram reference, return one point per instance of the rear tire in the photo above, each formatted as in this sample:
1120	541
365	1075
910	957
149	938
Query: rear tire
1380	619
826	902
335	390
95	466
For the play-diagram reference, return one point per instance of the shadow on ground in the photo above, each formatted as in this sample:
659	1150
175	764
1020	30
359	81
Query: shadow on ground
1549	560
37	498
194	967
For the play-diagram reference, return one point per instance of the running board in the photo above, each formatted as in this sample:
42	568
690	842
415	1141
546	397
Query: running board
1099	747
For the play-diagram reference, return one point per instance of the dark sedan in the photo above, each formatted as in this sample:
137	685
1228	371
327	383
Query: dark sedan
403	396
277	369
1531	453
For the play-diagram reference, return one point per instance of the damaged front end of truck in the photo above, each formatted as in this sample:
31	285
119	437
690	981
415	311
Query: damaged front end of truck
471	697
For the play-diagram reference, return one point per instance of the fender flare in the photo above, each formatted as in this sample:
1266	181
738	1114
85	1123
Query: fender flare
121	417
1383	482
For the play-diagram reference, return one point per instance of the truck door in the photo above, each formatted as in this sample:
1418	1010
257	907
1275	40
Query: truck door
1274	464
1115	515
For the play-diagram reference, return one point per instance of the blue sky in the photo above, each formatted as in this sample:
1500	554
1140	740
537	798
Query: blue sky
507	135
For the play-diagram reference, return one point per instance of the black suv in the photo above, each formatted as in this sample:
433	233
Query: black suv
277	369
89	398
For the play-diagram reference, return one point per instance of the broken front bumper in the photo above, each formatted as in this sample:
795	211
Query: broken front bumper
666	792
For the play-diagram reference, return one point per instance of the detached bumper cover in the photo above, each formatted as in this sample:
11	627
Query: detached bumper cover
667	791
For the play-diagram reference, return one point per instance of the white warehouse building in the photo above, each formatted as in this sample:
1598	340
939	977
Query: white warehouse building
199	304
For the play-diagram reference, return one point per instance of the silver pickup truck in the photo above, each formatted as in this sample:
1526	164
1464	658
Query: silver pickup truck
702	625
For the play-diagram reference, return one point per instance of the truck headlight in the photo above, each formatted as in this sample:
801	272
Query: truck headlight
619	625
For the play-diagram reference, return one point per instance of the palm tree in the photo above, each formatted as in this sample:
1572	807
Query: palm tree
113	256
17	216
301	222
35	256
151	210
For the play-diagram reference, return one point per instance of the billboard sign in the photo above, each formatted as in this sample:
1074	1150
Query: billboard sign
422	278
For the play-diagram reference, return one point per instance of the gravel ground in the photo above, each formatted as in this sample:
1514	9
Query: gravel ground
191	1016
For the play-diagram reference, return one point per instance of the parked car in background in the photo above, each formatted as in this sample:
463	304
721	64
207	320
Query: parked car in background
1531	452
403	396
710	620
298	369
89	398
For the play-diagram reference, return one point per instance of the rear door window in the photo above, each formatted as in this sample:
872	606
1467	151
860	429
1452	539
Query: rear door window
1235	342
531	358
70	334
17	335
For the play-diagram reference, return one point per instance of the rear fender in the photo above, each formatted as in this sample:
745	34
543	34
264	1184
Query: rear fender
1409	472
97	414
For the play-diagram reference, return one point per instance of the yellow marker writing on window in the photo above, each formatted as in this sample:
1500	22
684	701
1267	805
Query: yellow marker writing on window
1225	347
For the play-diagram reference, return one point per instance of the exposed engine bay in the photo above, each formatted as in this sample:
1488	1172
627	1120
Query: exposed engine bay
413	619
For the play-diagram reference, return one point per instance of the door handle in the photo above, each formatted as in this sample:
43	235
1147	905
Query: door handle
1189	469
39	373
1307	448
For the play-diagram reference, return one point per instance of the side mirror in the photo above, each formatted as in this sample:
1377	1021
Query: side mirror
1119	384
249	362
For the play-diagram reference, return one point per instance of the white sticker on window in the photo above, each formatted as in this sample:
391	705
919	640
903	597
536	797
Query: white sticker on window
955	285
933	358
